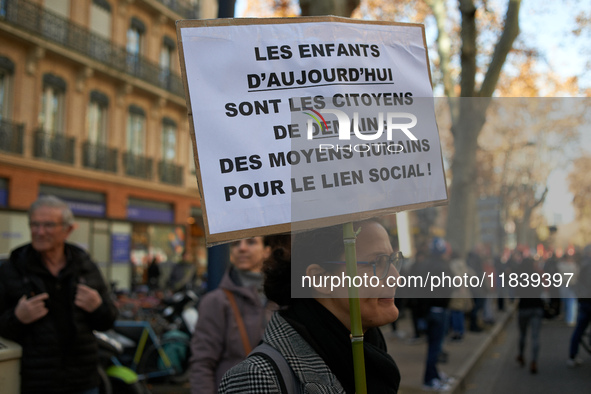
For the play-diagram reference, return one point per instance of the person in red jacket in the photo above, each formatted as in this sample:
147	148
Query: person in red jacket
52	297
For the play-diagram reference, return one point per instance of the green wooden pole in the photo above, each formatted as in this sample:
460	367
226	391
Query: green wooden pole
349	236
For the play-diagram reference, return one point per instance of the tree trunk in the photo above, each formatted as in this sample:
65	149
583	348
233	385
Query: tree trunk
470	118
522	230
462	208
226	8
328	7
524	233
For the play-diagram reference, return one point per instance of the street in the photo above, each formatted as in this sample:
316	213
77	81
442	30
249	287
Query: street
498	372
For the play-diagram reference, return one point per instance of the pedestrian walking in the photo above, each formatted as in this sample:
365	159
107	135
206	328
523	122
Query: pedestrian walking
154	274
415	300
568	268
460	300
474	262
183	274
529	314
437	317
583	292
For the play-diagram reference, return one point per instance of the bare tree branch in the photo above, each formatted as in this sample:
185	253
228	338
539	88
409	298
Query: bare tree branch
502	49
468	53
439	10
328	7
541	199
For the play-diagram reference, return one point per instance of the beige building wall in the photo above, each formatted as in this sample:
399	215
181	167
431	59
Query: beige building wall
35	53
209	9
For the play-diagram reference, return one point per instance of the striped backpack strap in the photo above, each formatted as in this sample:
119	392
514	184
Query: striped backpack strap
288	381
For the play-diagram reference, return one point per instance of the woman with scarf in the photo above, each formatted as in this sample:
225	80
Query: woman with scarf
313	333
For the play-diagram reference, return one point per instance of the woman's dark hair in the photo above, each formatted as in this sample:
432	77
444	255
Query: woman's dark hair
277	269
295	254
277	240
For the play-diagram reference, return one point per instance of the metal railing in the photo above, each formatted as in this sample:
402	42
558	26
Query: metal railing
182	8
170	173
62	149
11	137
99	157
138	166
56	147
36	19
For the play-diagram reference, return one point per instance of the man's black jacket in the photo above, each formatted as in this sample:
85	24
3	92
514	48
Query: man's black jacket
59	350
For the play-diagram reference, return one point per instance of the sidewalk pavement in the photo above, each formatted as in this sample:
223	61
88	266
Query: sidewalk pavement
462	356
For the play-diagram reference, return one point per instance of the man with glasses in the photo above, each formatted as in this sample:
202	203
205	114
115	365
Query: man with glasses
52	297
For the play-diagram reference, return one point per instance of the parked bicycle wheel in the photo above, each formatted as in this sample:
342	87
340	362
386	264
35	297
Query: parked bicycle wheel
120	387
114	385
169	361
105	386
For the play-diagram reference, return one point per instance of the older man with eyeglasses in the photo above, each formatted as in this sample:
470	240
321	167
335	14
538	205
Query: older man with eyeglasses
52	297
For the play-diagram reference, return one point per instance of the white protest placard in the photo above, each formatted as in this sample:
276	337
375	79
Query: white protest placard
306	122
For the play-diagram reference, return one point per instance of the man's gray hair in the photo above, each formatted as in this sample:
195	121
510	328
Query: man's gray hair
54	202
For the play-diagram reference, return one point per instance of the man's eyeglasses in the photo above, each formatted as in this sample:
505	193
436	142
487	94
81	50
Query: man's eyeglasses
45	225
381	264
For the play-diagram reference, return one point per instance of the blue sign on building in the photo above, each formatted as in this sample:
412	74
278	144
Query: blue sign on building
85	208
152	215
120	248
3	197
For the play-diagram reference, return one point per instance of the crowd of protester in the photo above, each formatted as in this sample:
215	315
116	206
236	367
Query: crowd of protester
253	303
563	294
448	315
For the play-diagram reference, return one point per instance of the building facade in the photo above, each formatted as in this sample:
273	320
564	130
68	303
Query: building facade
92	110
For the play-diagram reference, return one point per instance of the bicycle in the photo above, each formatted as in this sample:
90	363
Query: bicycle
149	359
173	352
115	378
